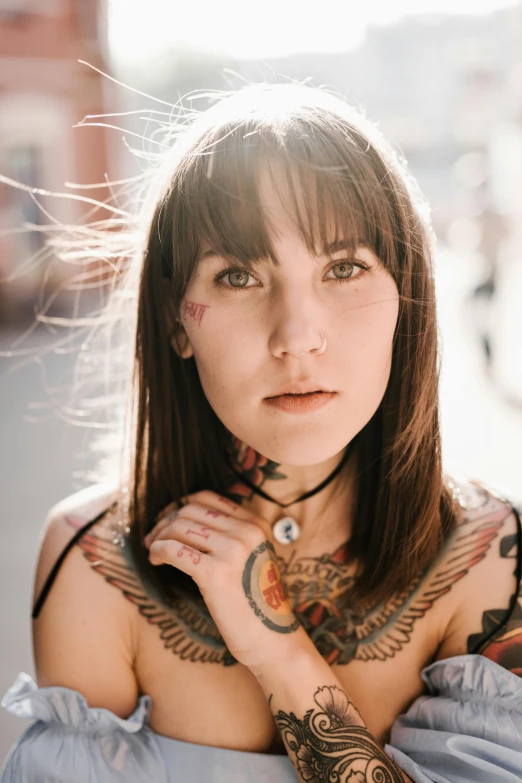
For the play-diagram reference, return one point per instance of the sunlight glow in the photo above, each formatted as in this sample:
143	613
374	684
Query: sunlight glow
139	31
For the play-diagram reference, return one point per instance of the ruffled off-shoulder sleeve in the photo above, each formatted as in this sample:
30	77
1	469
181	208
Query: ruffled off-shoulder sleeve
467	730
70	742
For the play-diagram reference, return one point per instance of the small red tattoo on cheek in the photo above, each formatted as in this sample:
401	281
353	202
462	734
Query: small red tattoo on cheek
195	555
194	310
212	513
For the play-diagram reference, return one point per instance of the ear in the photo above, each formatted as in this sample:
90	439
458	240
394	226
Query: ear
177	335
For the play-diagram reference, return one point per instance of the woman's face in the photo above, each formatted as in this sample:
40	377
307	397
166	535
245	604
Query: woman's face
253	333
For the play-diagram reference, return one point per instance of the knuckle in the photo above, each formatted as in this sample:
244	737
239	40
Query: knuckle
264	527
164	523
205	494
167	531
165	512
237	548
160	549
253	536
220	573
261	527
164	532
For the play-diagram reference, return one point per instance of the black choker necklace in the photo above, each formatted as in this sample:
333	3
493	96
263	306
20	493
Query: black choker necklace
286	530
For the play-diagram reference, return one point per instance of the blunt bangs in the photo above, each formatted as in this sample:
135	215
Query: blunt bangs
331	191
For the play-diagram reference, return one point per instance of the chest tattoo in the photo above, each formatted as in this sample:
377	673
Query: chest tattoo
501	640
315	587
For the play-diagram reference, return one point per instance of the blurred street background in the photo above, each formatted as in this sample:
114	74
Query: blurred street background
442	79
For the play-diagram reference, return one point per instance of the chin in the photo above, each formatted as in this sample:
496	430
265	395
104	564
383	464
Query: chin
301	454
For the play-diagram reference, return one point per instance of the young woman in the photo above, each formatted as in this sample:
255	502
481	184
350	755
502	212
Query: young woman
282	582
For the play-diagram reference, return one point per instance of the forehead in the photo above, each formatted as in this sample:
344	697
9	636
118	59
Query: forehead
289	199
287	211
206	251
252	212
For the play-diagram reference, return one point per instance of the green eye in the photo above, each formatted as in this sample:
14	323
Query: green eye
345	269
348	270
238	278
235	278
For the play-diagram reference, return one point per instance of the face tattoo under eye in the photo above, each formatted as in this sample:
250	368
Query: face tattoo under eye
193	310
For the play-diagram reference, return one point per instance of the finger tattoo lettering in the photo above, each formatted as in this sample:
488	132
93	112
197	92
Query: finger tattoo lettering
194	554
204	532
213	513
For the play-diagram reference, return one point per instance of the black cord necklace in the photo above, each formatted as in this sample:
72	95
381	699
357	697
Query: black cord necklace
286	530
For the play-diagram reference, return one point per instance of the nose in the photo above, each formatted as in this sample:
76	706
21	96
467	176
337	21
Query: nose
297	329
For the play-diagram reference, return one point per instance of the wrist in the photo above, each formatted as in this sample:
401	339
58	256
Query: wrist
290	651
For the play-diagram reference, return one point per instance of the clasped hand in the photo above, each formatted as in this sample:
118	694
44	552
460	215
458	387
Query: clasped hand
229	553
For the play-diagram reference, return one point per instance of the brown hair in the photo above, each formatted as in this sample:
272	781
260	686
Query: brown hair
207	189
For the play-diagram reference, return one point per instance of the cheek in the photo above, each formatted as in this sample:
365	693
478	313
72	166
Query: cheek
369	355
225	359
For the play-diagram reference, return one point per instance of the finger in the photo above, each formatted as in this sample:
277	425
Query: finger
165	519
170	513
247	528
208	538
194	516
210	498
171	507
220	518
179	555
192	511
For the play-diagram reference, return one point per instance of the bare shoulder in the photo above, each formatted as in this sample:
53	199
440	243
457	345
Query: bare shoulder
486	611
62	522
83	637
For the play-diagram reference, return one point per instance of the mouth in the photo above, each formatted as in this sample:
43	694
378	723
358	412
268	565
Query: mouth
300	402
299	390
297	394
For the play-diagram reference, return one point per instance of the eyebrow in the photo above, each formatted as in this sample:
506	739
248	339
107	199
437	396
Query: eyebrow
333	247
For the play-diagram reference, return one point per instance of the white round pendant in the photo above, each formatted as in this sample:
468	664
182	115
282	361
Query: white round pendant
286	530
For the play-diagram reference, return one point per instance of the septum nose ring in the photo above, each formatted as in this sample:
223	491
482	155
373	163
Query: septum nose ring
322	348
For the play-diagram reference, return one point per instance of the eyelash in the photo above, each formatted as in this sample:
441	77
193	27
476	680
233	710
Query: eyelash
230	269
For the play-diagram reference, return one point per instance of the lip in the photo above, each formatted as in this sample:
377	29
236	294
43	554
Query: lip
300	404
299	388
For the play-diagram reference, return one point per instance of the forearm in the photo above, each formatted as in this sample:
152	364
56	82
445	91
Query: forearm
322	729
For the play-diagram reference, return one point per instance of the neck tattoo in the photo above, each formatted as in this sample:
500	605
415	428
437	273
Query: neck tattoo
252	469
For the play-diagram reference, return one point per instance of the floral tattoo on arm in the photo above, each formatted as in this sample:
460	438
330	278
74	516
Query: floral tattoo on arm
331	743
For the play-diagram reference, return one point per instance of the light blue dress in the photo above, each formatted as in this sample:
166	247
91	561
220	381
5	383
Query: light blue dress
466	729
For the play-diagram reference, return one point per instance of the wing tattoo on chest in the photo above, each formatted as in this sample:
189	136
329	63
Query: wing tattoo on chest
315	587
380	631
501	636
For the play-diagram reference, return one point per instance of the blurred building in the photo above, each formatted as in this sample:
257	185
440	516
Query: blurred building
439	87
44	92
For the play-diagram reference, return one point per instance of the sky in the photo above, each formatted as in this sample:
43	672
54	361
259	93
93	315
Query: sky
269	28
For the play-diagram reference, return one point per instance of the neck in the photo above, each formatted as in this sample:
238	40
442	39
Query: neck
331	505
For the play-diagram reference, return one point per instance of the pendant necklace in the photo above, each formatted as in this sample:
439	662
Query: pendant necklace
286	530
